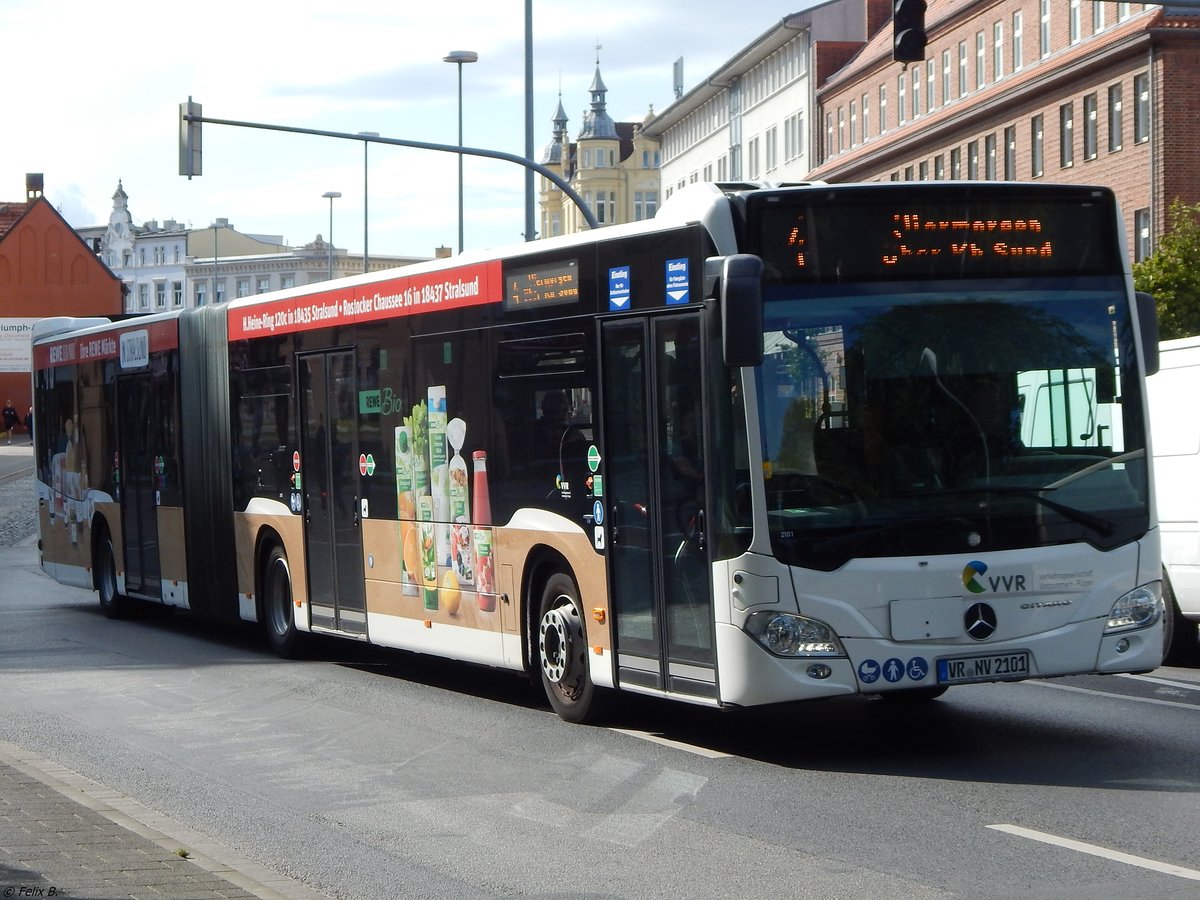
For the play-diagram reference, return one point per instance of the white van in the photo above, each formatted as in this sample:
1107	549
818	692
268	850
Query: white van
1174	396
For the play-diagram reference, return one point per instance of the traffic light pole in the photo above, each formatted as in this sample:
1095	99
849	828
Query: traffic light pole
189	149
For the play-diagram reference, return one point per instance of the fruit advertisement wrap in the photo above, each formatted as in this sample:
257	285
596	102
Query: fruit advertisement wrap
445	519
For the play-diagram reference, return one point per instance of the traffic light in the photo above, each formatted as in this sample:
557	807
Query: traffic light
908	30
191	157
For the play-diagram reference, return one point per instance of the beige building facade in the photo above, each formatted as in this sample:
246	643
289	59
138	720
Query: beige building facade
613	166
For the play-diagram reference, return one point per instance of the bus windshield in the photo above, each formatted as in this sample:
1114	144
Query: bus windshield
932	417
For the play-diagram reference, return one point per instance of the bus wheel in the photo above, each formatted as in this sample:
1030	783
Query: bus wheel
915	695
114	604
277	605
1180	644
563	652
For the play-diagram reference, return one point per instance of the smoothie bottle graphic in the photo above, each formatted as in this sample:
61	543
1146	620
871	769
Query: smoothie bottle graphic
428	537
410	540
485	570
462	555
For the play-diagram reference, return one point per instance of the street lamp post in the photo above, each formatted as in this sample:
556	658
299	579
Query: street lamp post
366	144
331	196
458	57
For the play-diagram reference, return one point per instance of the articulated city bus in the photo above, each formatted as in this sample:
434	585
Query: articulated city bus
766	447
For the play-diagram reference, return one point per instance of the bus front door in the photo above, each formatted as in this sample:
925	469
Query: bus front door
330	480
659	573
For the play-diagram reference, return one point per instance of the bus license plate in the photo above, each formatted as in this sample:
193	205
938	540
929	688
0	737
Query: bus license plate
996	667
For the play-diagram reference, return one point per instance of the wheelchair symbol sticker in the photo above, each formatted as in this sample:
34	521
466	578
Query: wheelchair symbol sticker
918	668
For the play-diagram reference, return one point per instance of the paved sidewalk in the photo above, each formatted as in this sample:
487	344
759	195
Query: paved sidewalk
63	835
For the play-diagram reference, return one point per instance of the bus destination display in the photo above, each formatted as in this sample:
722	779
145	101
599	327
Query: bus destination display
548	285
835	241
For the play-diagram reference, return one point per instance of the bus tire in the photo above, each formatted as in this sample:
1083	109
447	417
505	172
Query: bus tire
915	695
114	604
278	610
562	652
1180	644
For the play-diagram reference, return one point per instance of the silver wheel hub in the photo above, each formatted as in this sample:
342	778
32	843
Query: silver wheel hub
558	636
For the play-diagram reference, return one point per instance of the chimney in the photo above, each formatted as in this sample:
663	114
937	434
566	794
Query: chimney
442	253
33	186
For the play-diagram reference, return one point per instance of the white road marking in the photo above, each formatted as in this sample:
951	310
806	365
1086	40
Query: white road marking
1103	852
678	745
1070	687
1182	685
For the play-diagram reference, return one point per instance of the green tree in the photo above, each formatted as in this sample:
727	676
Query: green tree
1172	273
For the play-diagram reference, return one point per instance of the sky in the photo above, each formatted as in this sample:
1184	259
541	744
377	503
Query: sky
103	84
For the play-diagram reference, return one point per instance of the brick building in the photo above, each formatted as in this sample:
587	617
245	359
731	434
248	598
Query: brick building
46	269
1029	90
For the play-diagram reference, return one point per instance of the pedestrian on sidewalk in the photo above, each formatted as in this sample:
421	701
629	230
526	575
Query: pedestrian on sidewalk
29	423
11	418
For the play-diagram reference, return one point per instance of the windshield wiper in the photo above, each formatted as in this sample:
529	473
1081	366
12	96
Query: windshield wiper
1101	526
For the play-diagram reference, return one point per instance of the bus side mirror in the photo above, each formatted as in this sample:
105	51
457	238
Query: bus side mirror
742	310
1147	313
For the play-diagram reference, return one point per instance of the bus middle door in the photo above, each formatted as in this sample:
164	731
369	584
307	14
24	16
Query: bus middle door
330	478
659	573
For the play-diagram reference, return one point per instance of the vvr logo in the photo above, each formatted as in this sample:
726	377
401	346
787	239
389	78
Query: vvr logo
973	572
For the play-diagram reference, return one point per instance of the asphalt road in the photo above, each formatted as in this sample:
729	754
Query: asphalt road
366	773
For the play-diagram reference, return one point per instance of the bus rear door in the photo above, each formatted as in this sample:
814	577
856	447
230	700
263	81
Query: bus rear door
330	486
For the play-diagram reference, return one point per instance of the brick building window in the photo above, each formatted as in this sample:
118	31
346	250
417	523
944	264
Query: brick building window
973	160
1141	234
1090	127
997	51
989	157
1114	118
1097	17
956	164
1010	153
1141	108
1044	30
1074	20
900	94
1018	43
882	108
866	114
939	167
980	64
945	77
923	170
962	68
1066	135
1037	150
916	91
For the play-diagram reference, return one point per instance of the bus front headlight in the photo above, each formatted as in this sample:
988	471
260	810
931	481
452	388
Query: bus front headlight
790	635
1140	607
